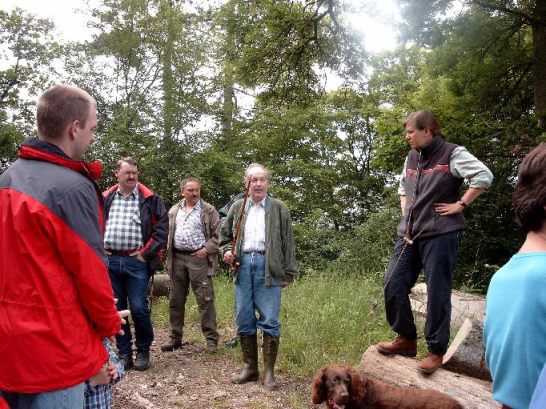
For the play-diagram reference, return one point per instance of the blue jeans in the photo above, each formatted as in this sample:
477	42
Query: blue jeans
68	398
251	295
129	277
437	255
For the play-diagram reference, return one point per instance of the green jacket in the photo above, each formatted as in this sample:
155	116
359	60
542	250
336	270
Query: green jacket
210	221
280	262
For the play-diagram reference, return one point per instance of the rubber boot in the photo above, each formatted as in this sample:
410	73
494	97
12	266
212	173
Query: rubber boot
270	349
249	346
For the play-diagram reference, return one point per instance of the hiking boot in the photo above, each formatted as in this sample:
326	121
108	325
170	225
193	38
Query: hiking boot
142	360
126	360
172	345
400	346
211	347
430	363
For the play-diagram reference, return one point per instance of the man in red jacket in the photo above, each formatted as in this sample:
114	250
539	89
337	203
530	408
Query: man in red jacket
56	301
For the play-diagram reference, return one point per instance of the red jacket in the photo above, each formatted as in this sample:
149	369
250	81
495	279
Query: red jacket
56	300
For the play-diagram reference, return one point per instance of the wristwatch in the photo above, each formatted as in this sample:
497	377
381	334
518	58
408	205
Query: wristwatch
461	202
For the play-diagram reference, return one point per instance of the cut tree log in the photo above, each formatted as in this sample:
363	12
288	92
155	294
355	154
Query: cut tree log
463	305
401	371
161	285
466	354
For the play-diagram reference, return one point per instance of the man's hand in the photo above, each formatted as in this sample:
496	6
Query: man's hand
101	377
229	257
138	255
448	209
201	253
112	370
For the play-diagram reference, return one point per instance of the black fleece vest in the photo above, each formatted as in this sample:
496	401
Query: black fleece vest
429	181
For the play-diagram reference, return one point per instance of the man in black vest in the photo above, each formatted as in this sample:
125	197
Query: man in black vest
429	235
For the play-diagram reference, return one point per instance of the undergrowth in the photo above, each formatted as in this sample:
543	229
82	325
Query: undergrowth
326	317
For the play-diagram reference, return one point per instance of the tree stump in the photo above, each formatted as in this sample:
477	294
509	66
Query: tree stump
466	354
402	371
161	285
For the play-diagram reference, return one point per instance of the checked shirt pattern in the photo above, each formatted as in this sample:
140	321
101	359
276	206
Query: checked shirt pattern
123	231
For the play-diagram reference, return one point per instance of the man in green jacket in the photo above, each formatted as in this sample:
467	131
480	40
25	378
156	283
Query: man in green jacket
264	250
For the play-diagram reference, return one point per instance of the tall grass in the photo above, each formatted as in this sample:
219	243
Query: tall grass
326	317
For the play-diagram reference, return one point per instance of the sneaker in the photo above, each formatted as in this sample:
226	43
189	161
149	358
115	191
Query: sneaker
211	347
142	360
172	345
400	346
430	363
126	360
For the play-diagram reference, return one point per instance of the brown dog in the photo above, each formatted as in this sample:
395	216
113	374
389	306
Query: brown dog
342	387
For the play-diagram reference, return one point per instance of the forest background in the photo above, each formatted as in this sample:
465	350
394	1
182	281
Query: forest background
205	88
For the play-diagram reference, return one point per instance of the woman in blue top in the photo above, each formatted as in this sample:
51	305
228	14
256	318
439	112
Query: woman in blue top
515	323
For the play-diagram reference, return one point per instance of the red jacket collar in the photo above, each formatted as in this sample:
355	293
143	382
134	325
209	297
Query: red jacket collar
37	149
144	191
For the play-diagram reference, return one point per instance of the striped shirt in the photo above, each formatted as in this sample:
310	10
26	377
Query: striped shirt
188	233
123	231
254	238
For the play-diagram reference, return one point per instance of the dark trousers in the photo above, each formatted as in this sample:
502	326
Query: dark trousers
190	270
129	277
437	256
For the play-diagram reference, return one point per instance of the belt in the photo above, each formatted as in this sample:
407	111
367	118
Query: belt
254	252
123	253
184	251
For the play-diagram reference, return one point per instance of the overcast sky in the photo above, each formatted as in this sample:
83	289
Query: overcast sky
378	35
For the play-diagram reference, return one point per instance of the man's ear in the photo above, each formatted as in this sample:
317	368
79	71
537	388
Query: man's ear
73	129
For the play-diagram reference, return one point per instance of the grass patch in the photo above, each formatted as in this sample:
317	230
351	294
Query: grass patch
326	317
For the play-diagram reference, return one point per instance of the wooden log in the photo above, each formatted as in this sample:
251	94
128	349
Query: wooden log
463	305
402	371
466	354
161	285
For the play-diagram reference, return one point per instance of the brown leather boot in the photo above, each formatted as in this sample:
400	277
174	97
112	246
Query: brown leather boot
172	345
249	346
400	346
430	363
270	349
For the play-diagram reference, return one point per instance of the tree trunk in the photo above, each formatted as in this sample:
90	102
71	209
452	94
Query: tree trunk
401	371
539	54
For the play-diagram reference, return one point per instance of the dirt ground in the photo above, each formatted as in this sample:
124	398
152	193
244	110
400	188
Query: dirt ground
191	378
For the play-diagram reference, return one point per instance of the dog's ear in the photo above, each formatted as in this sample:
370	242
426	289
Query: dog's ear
357	389
318	386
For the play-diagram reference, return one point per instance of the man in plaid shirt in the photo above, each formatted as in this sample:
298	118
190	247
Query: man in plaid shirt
135	239
192	259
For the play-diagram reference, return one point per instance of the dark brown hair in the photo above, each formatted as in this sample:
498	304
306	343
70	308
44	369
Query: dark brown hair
59	106
424	119
529	196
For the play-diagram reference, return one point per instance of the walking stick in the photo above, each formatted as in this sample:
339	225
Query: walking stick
235	265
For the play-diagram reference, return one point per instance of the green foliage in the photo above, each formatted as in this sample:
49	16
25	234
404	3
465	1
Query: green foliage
27	53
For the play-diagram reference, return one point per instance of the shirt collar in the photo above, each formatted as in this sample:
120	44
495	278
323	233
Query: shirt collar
260	203
133	193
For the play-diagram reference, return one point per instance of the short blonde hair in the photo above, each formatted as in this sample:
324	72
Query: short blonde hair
59	106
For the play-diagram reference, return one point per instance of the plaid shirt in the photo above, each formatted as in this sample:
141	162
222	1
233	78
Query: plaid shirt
123	230
188	233
100	396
